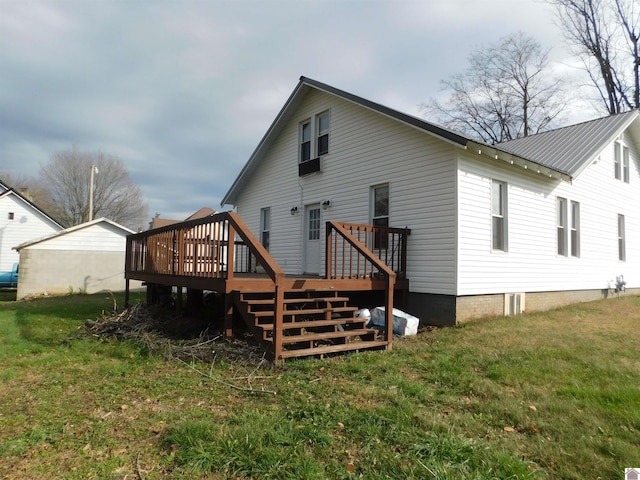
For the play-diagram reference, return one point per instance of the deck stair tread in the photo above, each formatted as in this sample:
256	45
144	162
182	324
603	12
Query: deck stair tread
306	311
315	323
312	336
270	301
323	349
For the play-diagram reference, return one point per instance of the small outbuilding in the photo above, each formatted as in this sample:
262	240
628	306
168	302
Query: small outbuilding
86	258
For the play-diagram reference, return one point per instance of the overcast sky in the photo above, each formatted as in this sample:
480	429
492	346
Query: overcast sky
182	91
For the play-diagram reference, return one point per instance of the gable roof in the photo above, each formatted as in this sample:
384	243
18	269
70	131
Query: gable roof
29	204
571	149
560	154
288	110
75	228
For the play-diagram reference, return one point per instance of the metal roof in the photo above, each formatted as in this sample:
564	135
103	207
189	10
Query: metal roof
561	153
570	149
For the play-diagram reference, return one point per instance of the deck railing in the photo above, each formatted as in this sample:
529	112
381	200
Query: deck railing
360	251
221	245
344	260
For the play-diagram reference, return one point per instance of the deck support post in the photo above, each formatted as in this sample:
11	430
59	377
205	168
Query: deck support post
278	309
179	301
126	293
388	311
228	315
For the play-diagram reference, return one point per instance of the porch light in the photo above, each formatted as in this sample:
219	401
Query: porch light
294	210
326	204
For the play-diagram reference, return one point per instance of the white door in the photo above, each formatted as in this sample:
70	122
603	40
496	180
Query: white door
312	239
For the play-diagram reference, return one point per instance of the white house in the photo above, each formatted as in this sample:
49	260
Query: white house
538	222
87	258
20	221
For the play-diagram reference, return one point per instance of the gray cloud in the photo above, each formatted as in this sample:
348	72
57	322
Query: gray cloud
183	91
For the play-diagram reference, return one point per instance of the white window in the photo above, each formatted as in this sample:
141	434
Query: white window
561	221
314	137
305	141
499	232
575	229
622	254
621	162
380	213
265	226
322	128
625	164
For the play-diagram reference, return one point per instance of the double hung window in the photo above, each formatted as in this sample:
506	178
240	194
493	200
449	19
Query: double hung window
499	216
380	213
265	226
314	137
622	250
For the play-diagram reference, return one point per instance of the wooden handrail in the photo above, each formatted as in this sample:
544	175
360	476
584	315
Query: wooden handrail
201	248
370	257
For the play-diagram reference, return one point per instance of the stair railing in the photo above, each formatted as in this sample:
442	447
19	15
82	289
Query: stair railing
206	247
346	256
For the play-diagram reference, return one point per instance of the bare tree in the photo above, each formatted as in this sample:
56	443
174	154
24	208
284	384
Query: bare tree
507	92
67	177
606	35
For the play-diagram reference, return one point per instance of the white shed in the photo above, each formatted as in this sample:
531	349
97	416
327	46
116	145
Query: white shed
86	258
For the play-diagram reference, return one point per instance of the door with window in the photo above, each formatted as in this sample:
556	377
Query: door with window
312	236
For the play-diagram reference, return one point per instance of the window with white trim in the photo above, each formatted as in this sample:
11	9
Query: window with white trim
380	213
625	164
621	162
499	230
265	226
561	225
622	250
575	229
314	137
568	227
322	129
305	141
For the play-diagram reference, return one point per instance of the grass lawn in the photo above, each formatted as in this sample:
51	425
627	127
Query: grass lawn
552	395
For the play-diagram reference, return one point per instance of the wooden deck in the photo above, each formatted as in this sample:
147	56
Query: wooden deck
294	315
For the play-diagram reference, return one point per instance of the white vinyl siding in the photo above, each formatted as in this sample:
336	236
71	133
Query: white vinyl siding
27	224
366	149
533	264
101	236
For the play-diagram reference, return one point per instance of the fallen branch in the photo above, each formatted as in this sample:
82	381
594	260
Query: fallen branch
222	382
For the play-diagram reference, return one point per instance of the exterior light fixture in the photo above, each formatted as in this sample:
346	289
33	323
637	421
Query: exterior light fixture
326	204
294	210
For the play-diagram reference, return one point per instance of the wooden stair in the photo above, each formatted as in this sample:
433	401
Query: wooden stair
314	323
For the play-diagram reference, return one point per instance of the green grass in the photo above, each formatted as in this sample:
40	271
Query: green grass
553	395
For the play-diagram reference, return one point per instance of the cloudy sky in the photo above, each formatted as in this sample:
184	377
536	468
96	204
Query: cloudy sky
183	90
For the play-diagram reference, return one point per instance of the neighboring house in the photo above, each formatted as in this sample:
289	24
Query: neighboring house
87	258
158	222
540	221
20	220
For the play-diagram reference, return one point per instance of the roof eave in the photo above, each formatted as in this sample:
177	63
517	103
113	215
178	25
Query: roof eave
511	159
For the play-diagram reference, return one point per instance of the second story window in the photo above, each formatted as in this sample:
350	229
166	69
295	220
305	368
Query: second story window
621	162
322	145
305	142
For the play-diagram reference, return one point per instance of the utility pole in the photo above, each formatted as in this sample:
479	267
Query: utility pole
94	170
